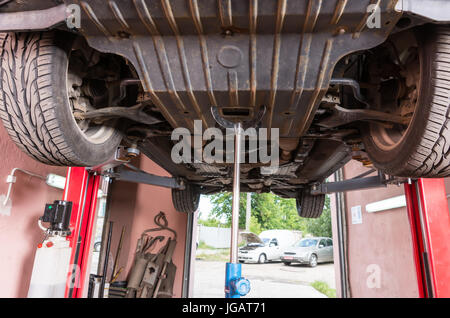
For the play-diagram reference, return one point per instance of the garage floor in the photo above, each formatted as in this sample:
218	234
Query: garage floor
272	280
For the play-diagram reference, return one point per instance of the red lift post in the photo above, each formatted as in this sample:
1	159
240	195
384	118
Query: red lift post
81	189
429	218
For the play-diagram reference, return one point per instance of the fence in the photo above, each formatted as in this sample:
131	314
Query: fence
217	237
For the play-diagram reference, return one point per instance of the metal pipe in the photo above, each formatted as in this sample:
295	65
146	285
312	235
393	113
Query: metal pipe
236	194
122	88
11	179
350	185
364	174
353	84
340	210
188	253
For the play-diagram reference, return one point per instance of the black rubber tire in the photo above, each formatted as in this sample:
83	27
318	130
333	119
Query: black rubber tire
34	102
287	263
424	150
264	259
97	246
186	200
310	206
311	263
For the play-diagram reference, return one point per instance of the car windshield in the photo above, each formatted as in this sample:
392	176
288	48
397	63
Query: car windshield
307	243
265	240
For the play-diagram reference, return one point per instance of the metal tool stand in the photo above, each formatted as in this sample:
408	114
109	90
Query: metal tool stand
235	285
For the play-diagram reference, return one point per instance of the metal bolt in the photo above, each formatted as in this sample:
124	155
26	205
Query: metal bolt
133	152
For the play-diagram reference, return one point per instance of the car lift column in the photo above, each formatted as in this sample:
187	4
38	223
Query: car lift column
429	218
81	189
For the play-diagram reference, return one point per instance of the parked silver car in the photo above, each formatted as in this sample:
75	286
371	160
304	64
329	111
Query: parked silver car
309	251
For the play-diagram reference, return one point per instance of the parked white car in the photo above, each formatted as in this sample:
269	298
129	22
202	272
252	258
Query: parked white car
268	246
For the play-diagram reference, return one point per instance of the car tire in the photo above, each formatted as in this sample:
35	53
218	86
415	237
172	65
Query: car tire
310	206
287	263
262	258
34	103
186	200
97	246
313	260
423	148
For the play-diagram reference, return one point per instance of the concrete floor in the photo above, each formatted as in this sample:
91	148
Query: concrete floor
271	280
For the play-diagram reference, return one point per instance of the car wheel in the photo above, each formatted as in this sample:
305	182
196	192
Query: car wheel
262	259
40	91
97	246
186	200
310	206
287	263
419	148
313	260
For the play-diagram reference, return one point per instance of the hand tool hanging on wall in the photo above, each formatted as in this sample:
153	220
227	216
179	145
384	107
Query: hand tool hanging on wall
153	275
114	273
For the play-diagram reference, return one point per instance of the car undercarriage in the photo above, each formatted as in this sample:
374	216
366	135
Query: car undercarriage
339	79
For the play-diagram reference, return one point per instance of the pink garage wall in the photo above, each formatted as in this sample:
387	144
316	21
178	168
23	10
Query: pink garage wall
382	241
135	206
19	232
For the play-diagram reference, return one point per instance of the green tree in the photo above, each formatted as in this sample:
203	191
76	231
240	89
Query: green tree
269	211
222	205
212	222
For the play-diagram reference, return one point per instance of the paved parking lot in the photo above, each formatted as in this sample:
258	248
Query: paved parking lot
267	280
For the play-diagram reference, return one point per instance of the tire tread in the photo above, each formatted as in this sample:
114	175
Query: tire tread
27	99
310	206
432	156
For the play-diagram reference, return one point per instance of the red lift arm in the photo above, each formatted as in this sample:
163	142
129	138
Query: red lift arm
429	218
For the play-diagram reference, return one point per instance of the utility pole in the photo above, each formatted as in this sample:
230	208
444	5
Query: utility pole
248	211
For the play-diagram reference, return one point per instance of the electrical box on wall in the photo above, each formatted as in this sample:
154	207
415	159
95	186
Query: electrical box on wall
356	214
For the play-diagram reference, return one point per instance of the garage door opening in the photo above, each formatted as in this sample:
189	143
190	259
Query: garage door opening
282	254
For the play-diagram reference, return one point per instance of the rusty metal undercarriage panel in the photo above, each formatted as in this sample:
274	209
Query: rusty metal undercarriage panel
239	55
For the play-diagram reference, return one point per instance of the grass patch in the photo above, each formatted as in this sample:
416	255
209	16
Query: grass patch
222	255
324	288
203	245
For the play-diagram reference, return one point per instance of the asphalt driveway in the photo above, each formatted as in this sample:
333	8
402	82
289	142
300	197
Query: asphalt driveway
267	280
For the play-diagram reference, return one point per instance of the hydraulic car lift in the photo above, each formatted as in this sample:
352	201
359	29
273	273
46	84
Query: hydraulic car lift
429	219
426	205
